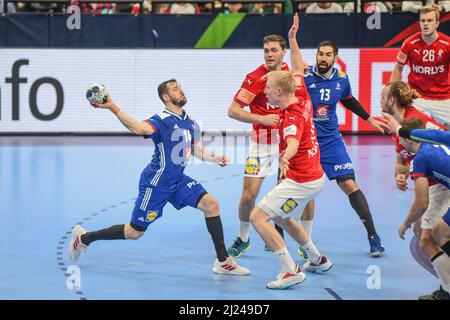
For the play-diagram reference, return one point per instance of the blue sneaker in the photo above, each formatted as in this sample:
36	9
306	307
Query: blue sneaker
302	253
376	249
239	247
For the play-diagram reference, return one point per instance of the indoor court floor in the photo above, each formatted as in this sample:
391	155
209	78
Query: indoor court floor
49	184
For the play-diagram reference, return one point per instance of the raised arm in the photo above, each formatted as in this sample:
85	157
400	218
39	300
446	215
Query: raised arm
396	74
297	63
140	128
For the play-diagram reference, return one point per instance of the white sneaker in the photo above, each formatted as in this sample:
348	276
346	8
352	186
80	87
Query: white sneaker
75	245
230	267
322	266
286	280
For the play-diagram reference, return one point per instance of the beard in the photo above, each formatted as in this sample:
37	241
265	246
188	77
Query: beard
324	68
179	102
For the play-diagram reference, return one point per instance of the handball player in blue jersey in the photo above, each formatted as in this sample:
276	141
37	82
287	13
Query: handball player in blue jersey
430	161
175	135
327	86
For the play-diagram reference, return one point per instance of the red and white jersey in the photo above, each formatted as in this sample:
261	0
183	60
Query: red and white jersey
430	123
297	122
430	65
253	94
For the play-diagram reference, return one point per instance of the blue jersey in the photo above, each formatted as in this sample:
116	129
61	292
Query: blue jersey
432	161
325	94
173	138
431	136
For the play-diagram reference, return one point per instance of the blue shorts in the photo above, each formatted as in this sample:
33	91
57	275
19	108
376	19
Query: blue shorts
151	200
446	217
334	158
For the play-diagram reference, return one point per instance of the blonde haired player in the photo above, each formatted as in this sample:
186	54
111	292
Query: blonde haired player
300	167
428	55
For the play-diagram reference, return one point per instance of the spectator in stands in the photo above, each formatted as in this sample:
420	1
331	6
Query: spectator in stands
324	7
263	8
184	8
415	6
10	7
234	8
95	8
215	7
39	7
369	7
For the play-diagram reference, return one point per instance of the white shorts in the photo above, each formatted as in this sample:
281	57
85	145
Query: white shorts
438	203
438	109
289	198
261	160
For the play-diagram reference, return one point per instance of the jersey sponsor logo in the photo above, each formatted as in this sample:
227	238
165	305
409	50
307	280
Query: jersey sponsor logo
141	219
345	166
341	74
417	51
322	111
428	70
290	130
338	86
245	96
176	126
192	183
252	166
312	86
401	57
440	53
151	215
289	205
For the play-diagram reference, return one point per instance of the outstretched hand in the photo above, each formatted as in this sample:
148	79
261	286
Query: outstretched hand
293	31
390	123
106	105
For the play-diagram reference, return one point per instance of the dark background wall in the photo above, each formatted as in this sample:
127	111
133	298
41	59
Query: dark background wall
173	31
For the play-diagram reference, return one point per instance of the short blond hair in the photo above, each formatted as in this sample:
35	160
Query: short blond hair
429	9
285	80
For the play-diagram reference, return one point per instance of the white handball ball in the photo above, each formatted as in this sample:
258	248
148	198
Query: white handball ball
96	93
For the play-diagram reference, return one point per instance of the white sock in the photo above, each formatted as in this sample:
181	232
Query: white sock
244	230
442	266
286	262
307	225
313	254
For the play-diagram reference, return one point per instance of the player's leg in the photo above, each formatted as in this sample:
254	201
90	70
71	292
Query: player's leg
191	193
291	273
338	166
250	191
441	261
359	203
148	207
439	201
258	166
286	199
306	220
